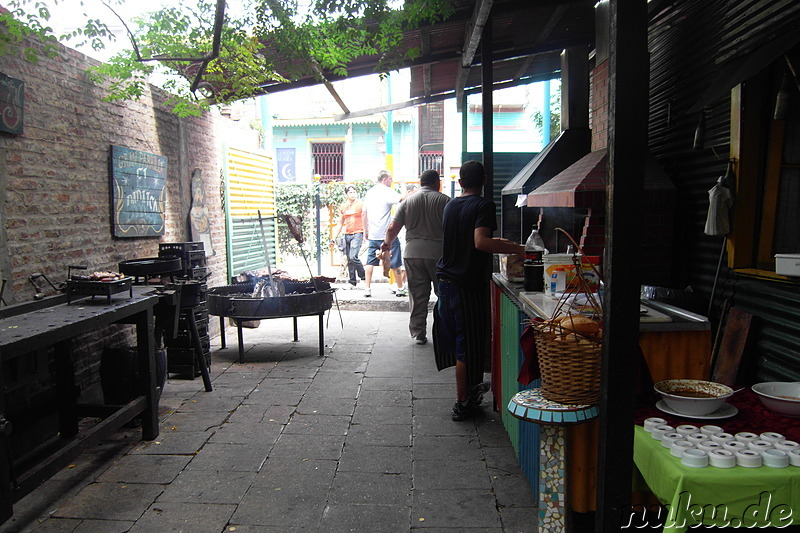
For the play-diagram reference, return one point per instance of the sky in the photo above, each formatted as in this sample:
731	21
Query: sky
66	15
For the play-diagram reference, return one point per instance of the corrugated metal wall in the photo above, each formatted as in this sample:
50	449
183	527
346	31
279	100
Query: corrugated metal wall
524	436
691	44
506	167
249	188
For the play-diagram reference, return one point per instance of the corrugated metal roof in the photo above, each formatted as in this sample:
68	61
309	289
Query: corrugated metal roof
527	40
330	121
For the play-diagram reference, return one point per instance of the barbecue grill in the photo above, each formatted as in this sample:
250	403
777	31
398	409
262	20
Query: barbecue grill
237	303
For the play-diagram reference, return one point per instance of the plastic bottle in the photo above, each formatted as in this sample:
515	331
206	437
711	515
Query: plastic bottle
534	263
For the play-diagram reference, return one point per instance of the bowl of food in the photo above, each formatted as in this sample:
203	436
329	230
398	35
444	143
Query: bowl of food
693	397
781	397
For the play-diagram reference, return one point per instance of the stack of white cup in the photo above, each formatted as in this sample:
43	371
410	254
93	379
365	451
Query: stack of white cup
710	445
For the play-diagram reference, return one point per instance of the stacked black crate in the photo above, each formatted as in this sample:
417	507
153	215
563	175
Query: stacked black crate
180	354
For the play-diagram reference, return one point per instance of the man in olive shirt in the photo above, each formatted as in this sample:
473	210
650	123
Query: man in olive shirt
421	214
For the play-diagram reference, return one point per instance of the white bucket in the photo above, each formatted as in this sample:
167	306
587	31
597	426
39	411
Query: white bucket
553	261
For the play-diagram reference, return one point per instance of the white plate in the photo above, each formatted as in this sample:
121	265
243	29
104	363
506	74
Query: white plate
726	411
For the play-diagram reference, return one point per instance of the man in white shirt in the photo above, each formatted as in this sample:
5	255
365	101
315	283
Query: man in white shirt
376	213
421	215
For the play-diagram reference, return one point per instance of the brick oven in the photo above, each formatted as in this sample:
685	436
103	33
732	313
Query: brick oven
581	188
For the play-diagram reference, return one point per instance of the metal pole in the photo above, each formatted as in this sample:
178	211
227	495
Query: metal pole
319	222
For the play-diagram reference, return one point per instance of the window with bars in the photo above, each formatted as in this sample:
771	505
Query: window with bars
328	161
431	161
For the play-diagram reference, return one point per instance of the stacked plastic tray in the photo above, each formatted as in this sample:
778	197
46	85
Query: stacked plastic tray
180	354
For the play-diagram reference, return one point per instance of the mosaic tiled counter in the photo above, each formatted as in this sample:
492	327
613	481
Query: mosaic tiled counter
531	407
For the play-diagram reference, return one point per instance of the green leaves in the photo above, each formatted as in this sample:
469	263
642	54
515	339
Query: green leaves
265	40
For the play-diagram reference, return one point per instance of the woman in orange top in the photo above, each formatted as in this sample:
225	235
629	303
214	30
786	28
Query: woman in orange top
350	221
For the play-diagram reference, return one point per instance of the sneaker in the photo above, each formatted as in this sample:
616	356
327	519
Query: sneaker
477	392
392	290
422	339
367	292
401	292
460	412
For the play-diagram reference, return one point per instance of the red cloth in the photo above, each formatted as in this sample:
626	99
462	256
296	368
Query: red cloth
530	363
752	416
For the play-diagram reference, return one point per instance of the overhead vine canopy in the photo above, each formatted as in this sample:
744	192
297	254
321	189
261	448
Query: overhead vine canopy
255	42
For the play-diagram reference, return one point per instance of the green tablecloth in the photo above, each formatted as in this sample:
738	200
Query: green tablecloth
724	497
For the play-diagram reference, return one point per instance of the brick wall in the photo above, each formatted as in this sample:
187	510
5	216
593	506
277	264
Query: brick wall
54	179
598	106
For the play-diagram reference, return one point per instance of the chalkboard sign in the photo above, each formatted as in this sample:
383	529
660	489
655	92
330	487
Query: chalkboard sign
137	193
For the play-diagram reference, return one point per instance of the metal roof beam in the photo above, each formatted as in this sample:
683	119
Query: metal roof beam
439	97
329	86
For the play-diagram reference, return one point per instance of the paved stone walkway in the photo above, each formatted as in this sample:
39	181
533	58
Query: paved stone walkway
360	440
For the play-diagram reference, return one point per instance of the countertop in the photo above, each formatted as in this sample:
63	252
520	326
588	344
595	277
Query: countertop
656	316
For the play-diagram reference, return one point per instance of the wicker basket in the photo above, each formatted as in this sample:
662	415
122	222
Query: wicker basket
569	365
569	362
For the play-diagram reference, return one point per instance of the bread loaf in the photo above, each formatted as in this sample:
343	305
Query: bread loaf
580	324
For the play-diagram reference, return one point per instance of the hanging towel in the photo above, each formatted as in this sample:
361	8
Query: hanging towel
720	200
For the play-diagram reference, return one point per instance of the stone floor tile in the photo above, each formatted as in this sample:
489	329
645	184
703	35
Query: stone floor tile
441	424
208	486
157	469
369	415
519	519
57	525
318	424
184	518
175	442
457	509
296	474
380	435
243	528
513	490
104	526
334	391
442	448
435	406
366	518
290	442
231	457
370	488
490	428
193	421
433	390
308	446
267	506
38	505
216	400
450	474
110	501
385	398
319	405
386	383
341	366
266	433
365	458
501	461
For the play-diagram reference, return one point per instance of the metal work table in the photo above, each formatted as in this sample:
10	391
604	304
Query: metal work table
53	323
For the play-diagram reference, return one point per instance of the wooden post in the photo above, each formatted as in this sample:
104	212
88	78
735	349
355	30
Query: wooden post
627	147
